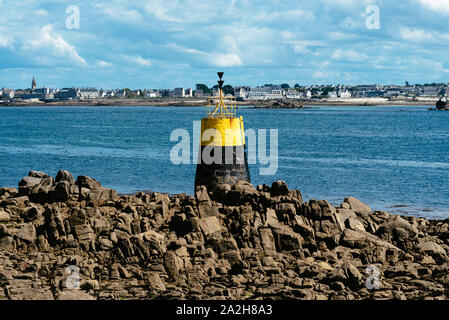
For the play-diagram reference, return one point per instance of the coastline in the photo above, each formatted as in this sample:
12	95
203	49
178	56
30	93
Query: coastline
201	102
236	242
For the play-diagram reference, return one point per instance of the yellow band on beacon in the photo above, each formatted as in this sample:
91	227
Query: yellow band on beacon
222	132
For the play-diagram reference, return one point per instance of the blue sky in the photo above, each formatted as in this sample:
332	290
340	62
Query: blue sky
164	43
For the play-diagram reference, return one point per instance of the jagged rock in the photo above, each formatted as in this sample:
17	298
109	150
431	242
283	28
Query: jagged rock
279	188
173	263
360	239
38	174
87	182
74	295
27	233
155	282
234	242
286	239
398	228
207	211
361	209
101	195
40	192
7	243
347	218
27	183
64	175
4	216
62	191
201	195
210	225
271	219
267	238
84	233
243	187
430	247
222	246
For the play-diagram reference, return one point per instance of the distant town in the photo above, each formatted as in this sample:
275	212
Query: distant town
241	93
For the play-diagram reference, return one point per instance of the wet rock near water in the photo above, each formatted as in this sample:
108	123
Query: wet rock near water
282	104
72	239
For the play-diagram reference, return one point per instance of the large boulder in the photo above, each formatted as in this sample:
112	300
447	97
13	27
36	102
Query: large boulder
75	294
267	239
27	233
243	186
4	216
361	209
210	225
201	195
27	184
431	247
286	239
64	175
399	230
40	192
99	195
360	239
87	182
279	188
62	191
347	218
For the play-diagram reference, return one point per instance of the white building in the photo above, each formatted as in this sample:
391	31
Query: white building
87	93
332	94
275	94
344	94
265	93
178	93
152	94
431	91
240	92
293	94
188	92
308	94
8	93
121	93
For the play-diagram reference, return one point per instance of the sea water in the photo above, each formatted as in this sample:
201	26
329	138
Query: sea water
395	158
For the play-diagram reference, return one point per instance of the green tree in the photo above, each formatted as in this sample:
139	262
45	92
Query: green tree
285	86
228	89
201	86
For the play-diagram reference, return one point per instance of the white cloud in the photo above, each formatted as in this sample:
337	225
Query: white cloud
415	35
337	35
216	59
120	12
42	12
436	5
300	48
348	55
225	60
5	39
49	45
104	64
141	61
421	35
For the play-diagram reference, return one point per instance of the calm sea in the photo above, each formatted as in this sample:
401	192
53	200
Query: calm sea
394	158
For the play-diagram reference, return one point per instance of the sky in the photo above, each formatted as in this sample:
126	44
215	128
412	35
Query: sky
167	44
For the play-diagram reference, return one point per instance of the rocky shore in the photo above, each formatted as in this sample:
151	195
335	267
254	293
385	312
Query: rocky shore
237	242
200	102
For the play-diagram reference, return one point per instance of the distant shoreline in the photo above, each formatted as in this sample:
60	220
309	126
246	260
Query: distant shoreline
201	102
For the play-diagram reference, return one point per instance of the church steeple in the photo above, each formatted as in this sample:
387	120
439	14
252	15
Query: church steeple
33	84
